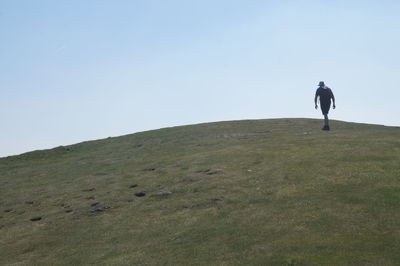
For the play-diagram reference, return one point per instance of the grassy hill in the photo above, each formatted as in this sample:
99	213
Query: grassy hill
258	192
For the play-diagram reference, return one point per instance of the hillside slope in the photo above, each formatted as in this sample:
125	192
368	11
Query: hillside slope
257	192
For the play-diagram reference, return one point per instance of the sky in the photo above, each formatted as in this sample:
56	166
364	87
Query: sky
72	70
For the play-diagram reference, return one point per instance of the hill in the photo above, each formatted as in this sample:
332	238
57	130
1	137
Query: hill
254	192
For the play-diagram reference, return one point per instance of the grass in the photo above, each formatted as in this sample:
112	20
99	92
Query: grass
254	192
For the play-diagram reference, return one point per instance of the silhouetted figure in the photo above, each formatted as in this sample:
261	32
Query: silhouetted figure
325	95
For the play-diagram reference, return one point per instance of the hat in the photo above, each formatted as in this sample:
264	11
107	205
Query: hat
321	83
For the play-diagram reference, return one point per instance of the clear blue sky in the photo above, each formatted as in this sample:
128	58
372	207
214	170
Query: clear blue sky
77	70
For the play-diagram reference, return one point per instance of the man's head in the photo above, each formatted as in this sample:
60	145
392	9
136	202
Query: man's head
321	84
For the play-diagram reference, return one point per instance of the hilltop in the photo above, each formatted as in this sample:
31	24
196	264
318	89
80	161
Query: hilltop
252	192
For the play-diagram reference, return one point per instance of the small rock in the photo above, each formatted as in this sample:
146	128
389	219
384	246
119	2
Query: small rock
211	172
8	210
164	193
140	194
68	211
95	204
203	171
134	185
214	172
89	189
216	200
33	203
101	209
149	169
90	198
38	218
130	200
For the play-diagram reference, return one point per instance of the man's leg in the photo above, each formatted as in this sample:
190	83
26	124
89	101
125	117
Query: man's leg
326	120
325	110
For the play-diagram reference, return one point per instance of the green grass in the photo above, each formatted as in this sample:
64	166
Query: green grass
254	192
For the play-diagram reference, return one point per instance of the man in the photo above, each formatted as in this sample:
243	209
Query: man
325	95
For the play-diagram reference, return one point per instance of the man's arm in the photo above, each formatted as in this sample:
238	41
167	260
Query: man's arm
315	99
333	99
